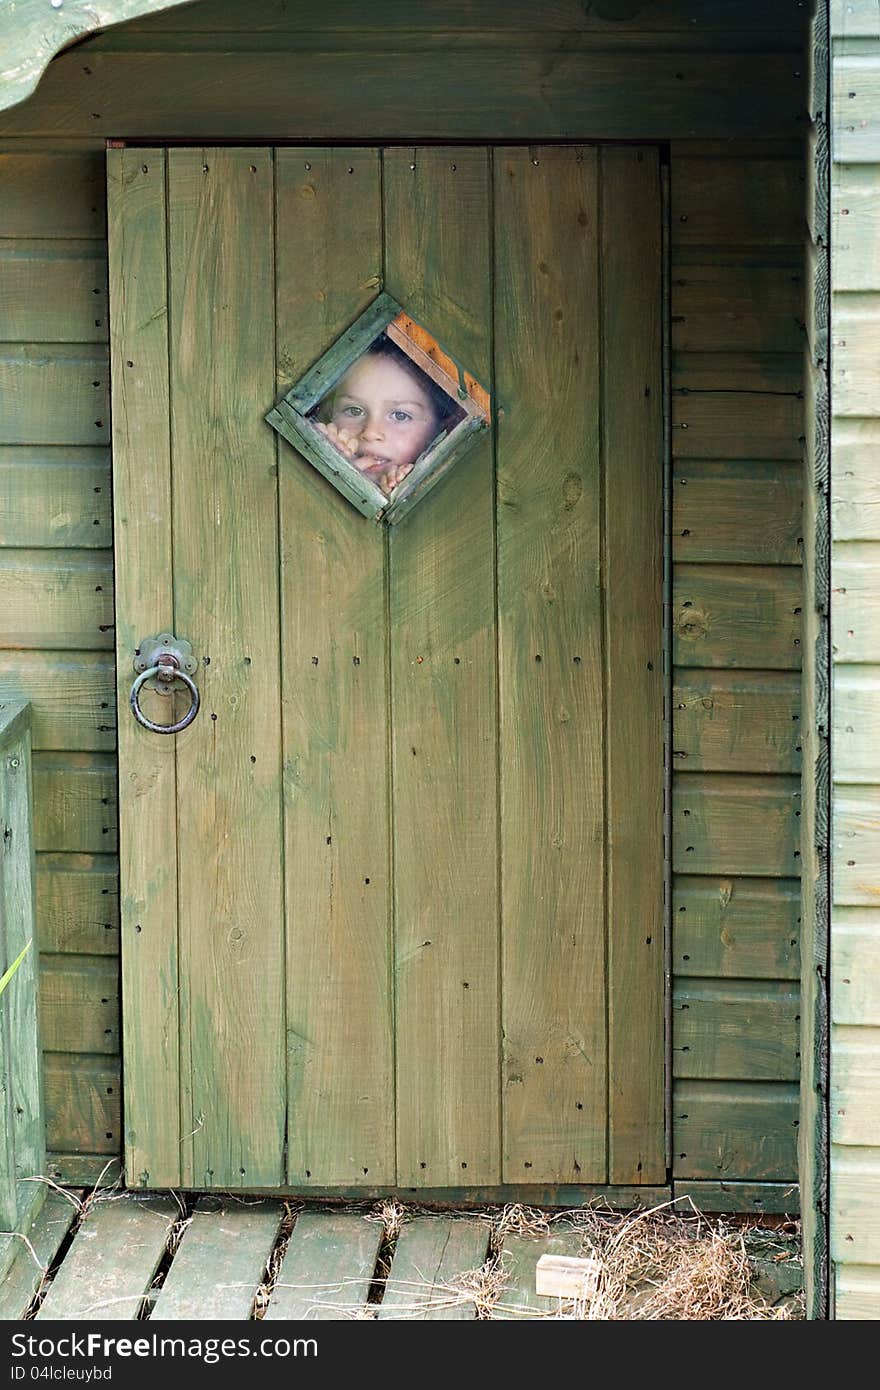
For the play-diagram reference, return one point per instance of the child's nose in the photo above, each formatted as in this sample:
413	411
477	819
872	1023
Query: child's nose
373	428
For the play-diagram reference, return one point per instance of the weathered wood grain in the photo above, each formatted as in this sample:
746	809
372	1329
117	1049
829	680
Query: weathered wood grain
53	291
855	101
689	19
483	96
632	433
445	722
71	696
777	372
142	490
722	202
220	1262
519	1258
856	1292
856	725
550	664
731	721
52	194
736	824
855	1205
84	1170
335	709
856	600
855	967
736	424
855	376
75	802
738	512
737	616
430	1257
719	304
46	1232
56	599
54	498
855	490
327	1268
736	927
82	1097
226	600
854	1100
54	393
115	1253
758	1198
855	221
746	1030
79	1004
340	1045
78	903
22	1135
742	1128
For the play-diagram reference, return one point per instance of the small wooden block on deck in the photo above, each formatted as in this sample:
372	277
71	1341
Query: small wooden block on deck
432	1254
566	1276
327	1268
520	1258
28	1269
112	1260
220	1262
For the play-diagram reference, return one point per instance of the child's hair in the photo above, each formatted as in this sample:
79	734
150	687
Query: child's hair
447	411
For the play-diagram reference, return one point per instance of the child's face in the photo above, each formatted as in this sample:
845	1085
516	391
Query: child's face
381	406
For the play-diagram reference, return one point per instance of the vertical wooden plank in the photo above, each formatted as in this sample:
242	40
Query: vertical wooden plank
550	659
224	508
334	670
144	607
632	443
441	607
20	1000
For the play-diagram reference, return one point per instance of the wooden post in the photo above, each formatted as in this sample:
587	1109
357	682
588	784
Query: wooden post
22	1142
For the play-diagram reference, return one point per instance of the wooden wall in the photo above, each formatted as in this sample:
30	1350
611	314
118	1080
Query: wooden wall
855	594
693	73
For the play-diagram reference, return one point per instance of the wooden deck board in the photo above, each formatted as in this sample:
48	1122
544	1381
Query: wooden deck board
431	1255
520	1255
220	1261
327	1268
112	1260
28	1269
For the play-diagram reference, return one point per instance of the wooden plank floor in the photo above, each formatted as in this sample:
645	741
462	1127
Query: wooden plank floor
124	1255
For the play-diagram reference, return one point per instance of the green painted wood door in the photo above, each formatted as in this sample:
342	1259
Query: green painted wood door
392	905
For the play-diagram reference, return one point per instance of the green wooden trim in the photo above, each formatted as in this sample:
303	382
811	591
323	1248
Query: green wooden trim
778	1198
556	1195
22	1142
298	431
335	362
288	417
32	32
434	466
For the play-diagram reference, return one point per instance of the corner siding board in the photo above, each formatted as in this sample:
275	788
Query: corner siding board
855	583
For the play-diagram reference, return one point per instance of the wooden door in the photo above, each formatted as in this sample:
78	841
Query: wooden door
392	906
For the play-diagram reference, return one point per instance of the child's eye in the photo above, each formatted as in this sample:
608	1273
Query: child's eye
354	412
401	417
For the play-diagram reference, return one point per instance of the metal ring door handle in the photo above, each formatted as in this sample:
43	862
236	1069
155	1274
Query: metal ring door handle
160	672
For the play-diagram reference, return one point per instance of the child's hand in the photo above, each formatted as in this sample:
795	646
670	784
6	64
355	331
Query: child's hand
347	444
385	475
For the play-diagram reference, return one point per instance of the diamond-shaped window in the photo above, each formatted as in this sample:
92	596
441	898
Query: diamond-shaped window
385	413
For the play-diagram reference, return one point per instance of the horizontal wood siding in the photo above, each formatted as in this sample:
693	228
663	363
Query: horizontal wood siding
737	546
694	71
855	585
56	593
